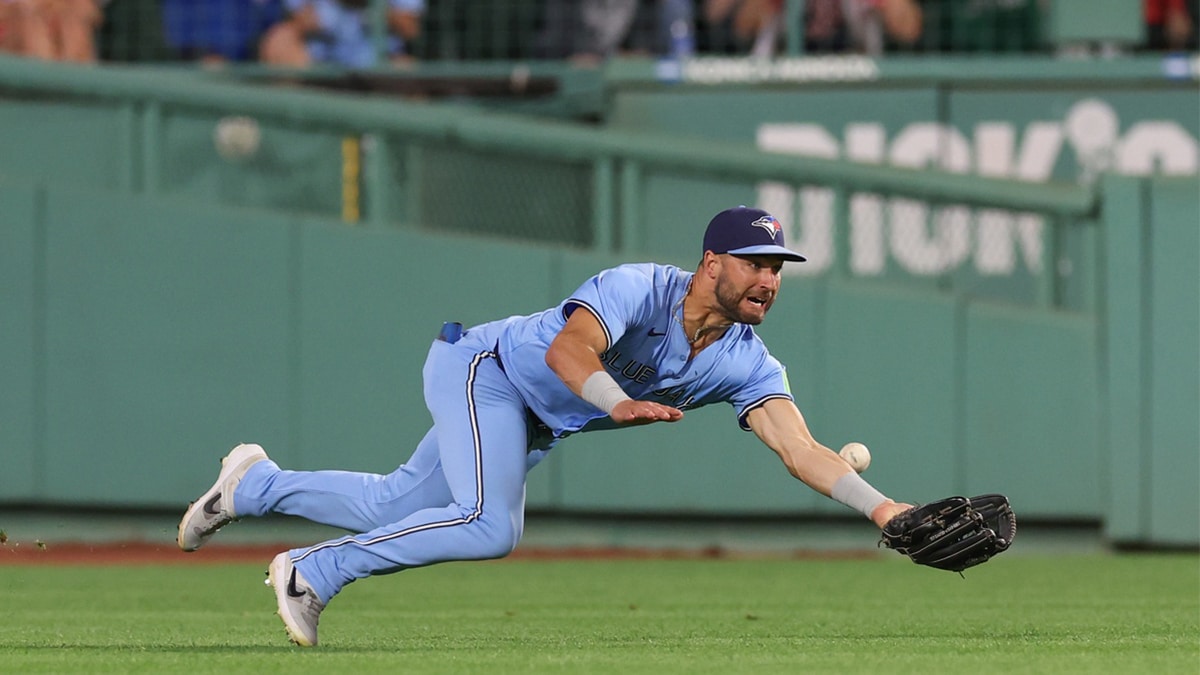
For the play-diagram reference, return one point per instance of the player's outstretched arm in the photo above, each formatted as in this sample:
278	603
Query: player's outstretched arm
574	356
779	424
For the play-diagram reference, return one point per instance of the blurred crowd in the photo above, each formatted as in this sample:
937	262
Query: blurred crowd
299	33
60	30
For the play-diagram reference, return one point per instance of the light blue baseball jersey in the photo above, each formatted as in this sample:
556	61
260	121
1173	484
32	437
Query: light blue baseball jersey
647	352
461	496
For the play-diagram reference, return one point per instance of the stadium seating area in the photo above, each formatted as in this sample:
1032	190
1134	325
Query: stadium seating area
590	30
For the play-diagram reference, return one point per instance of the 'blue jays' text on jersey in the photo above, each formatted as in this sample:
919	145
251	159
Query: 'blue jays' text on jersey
647	352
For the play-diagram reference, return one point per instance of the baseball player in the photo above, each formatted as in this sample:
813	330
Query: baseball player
635	344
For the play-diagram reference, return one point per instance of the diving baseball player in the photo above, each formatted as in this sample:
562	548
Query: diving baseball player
635	344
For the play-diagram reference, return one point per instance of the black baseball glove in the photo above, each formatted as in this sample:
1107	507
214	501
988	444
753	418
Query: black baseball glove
953	533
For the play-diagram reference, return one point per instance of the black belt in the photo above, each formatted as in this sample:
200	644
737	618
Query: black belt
539	426
499	361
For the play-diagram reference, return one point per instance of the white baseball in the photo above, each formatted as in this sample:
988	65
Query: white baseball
856	455
237	137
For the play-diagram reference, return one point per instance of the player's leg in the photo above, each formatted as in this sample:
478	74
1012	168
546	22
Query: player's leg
250	484
480	423
353	501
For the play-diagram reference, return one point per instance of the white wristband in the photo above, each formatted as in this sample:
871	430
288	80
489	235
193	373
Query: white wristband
857	493
602	391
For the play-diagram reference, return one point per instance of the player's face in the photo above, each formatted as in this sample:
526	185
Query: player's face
747	286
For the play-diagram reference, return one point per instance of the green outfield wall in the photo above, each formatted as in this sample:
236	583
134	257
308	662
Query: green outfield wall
146	326
143	336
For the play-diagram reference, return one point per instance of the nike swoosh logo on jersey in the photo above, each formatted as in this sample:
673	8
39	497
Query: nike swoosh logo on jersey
653	334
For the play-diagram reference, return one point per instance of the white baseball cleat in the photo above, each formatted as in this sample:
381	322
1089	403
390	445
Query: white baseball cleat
214	509
298	605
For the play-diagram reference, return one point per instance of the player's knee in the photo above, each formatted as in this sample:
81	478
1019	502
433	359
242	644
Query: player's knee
497	537
498	543
496	548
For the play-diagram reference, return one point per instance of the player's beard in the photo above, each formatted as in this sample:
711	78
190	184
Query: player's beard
729	299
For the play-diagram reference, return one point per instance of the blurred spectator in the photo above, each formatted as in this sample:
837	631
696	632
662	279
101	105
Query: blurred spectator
588	31
218	30
744	26
337	32
861	26
8	19
1170	24
584	30
56	30
874	25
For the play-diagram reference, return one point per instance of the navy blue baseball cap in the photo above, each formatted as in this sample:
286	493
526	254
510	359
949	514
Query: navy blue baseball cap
747	231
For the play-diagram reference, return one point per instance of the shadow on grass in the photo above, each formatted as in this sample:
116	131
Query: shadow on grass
178	648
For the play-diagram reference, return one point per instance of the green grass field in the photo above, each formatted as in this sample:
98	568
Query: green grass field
1034	614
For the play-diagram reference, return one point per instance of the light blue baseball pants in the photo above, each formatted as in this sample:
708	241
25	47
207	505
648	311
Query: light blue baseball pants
461	496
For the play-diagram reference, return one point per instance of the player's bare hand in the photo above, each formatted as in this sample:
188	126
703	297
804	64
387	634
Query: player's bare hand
888	510
644	412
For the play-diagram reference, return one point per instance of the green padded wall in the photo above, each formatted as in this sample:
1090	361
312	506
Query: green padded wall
1031	404
1174	362
1152	360
72	141
891	383
1125	419
19	354
168	339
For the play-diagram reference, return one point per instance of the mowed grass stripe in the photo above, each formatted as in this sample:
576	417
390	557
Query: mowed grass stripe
1018	614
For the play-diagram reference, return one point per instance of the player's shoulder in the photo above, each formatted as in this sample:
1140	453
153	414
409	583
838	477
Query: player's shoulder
750	348
650	279
644	271
744	333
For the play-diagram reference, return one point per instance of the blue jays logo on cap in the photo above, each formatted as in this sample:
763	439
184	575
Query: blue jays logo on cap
746	231
769	225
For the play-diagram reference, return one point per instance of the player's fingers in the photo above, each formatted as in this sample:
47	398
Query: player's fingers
673	414
665	413
650	408
645	412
